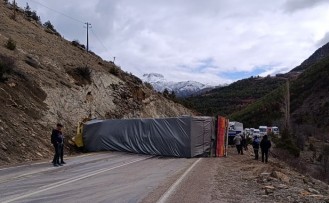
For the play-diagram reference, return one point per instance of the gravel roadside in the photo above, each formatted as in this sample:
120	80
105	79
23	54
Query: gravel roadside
239	178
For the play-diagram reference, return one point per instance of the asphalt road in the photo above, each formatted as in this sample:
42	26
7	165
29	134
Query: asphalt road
98	177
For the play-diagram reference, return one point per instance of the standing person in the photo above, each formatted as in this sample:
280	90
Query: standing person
56	140
61	147
244	143
255	145
238	143
265	145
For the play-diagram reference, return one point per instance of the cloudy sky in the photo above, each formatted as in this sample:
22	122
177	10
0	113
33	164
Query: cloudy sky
211	41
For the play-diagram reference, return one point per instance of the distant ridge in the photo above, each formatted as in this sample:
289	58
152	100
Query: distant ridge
317	56
181	89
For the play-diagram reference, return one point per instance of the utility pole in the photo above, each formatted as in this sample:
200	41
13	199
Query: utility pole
88	26
14	16
288	104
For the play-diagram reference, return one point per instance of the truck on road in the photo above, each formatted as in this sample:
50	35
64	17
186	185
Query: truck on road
234	129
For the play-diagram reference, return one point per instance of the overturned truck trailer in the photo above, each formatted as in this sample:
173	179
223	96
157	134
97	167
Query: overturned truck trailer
179	137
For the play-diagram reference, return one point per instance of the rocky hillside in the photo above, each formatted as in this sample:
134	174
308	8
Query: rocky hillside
46	79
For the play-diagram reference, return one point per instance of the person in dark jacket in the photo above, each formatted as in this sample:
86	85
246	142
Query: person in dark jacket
244	142
255	145
265	145
57	139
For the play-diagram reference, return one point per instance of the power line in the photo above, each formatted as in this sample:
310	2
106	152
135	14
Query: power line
57	11
99	40
88	25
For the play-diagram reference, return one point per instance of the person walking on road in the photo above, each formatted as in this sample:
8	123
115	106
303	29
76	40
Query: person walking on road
265	145
238	143
57	139
255	145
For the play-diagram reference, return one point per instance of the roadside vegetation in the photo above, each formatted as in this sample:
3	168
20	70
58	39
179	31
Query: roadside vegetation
264	111
32	15
232	98
11	44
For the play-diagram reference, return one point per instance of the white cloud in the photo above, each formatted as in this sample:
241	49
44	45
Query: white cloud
324	40
196	40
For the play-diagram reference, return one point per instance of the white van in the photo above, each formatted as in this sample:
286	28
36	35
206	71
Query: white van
263	130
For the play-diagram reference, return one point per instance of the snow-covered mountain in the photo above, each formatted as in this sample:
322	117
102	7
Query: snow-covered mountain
181	89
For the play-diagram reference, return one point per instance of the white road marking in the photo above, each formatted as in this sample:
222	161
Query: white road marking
174	186
71	180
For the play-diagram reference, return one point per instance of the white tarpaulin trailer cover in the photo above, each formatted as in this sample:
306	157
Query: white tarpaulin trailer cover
179	137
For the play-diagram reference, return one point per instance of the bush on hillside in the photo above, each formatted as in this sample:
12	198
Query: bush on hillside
114	70
50	27
286	142
7	64
84	72
81	75
35	17
76	43
31	14
11	44
27	10
165	93
172	95
148	85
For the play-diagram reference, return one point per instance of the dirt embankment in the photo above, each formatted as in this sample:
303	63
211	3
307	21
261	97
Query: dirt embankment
54	81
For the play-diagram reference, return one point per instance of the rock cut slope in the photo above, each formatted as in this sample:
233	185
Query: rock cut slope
54	81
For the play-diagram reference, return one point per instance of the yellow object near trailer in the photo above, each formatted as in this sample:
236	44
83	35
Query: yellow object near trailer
78	140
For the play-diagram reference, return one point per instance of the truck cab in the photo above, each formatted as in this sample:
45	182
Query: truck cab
234	129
